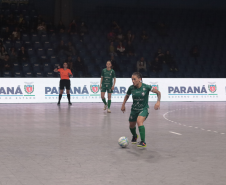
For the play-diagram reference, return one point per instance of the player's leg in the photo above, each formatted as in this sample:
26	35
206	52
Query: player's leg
132	126
140	120
61	91
103	90
109	102
68	87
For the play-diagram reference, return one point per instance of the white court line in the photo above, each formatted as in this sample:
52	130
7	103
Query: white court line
175	133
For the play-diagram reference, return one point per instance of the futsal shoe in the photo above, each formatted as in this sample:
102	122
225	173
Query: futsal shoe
134	139
109	111
105	107
142	144
58	103
69	103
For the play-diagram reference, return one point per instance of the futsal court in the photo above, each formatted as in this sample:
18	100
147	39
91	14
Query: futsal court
43	144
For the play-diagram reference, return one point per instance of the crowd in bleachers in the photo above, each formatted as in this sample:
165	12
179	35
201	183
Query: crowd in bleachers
165	43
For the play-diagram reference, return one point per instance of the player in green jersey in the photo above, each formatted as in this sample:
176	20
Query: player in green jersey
107	84
139	110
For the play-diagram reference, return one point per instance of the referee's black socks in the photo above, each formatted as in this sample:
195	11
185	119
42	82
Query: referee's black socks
60	96
69	98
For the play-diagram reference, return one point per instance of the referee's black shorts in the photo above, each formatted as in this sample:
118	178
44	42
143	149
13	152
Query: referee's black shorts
65	83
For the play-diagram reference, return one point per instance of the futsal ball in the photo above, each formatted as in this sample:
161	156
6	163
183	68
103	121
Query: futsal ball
123	142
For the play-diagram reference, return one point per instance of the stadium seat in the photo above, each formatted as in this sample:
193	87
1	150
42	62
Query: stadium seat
18	74
50	52
37	45
25	37
16	66
27	44
30	52
39	74
47	67
18	44
28	74
26	67
36	67
7	74
35	38
47	45
53	60
44	38
50	74
40	52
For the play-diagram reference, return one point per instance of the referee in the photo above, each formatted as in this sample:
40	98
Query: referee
65	75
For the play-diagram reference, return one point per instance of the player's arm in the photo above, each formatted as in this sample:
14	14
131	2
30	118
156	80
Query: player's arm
113	84
70	74
125	100
101	80
123	109
156	91
56	69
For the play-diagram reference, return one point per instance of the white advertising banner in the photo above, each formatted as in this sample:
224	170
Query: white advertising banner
46	90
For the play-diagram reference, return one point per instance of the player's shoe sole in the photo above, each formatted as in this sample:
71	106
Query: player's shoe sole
135	142
109	111
142	144
105	107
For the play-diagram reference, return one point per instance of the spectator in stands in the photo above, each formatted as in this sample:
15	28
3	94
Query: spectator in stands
161	29
120	49
11	20
51	28
24	26
41	28
61	27
144	36
120	36
70	50
23	55
80	66
21	18
73	28
82	31
61	48
111	36
141	65
114	64
70	63
16	34
130	49
7	64
6	35
130	36
112	49
2	21
3	53
169	60
194	52
114	26
156	66
13	54
160	55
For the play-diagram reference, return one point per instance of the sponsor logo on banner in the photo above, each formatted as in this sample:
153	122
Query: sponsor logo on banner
94	87
212	87
29	88
193	91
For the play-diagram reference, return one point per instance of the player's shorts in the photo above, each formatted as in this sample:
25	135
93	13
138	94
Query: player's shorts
107	88
65	83
134	114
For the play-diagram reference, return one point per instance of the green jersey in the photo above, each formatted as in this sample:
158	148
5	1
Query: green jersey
140	96
108	77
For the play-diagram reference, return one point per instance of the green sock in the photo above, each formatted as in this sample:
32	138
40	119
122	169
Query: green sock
142	133
109	104
133	131
104	100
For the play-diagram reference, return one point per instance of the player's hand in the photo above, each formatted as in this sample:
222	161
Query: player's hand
100	87
123	109
59	67
112	88
157	106
69	74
